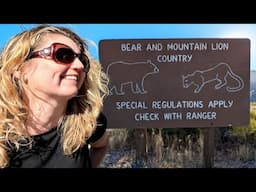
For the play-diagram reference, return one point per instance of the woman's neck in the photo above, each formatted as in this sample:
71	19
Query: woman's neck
44	115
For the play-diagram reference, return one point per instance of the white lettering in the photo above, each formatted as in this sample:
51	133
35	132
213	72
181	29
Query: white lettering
131	105
176	104
154	47
186	46
130	47
172	116
220	103
219	46
146	116
174	58
200	115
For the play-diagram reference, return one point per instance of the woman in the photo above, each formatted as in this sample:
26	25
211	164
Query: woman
51	101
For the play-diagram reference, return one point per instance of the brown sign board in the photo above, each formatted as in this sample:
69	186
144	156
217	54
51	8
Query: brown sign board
171	83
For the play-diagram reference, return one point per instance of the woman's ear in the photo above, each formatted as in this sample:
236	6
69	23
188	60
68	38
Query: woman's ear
17	75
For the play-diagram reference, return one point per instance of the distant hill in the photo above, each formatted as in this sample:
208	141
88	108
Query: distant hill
253	86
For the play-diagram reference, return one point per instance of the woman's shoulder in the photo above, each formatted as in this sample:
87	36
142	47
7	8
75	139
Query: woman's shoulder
100	129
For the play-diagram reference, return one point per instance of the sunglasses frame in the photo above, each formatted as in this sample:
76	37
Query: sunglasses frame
50	53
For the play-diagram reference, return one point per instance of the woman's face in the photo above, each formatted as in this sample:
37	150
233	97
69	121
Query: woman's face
48	79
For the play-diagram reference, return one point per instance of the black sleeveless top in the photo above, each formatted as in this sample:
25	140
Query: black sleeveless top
46	151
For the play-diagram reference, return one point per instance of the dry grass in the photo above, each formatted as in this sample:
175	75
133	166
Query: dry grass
180	149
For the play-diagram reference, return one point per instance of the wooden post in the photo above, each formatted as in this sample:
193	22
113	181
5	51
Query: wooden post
208	147
141	144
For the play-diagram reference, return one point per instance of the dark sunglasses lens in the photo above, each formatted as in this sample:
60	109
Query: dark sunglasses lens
84	59
65	55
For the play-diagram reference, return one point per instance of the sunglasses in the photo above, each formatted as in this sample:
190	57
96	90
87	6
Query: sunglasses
61	54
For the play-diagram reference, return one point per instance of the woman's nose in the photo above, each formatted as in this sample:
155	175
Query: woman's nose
77	64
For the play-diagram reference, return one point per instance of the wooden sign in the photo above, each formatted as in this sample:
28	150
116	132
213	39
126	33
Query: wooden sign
166	83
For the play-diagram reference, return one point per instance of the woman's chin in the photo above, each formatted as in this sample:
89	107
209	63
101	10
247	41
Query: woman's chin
70	95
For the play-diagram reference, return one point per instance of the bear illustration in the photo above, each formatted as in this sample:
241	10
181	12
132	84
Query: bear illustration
122	73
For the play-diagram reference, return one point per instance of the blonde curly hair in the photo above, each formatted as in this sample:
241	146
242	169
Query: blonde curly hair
81	113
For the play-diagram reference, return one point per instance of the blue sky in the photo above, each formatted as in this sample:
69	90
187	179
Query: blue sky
96	32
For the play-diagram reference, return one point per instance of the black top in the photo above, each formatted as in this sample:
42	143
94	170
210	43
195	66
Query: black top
47	152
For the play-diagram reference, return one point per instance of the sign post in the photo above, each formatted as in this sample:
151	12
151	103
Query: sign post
208	147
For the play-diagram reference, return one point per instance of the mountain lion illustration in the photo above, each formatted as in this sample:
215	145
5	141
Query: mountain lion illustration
218	73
